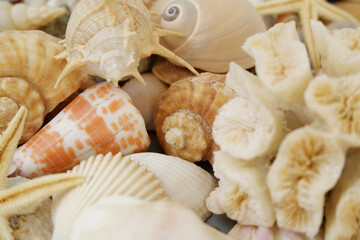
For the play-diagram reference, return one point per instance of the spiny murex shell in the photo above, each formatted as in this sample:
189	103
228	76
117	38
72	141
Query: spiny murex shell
107	38
213	31
28	77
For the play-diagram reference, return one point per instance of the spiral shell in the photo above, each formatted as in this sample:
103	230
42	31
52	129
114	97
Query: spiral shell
101	119
29	75
185	115
213	31
22	16
107	38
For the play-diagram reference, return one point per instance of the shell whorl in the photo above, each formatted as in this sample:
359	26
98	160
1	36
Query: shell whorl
185	115
22	16
29	77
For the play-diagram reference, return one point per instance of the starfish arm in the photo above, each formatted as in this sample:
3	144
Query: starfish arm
305	15
278	7
5	229
24	195
8	143
330	12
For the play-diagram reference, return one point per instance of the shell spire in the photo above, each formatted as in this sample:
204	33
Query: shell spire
21	16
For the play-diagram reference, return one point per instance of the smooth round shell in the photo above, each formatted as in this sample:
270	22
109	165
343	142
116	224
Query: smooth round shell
219	30
185	115
169	72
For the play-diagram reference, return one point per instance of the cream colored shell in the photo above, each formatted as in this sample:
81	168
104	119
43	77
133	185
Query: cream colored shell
129	218
22	16
185	115
104	176
108	38
183	181
213	31
29	77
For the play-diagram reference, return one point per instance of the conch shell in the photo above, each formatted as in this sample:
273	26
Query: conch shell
22	16
186	112
213	31
28	77
107	38
101	119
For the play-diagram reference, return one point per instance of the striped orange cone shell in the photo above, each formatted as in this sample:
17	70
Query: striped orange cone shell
101	119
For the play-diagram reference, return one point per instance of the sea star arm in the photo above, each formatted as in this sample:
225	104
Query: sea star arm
278	6
331	12
22	196
8	143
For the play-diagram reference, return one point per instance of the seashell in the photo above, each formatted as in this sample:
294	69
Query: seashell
58	3
186	112
107	38
104	176
29	77
22	16
183	181
213	31
141	219
168	72
146	98
101	119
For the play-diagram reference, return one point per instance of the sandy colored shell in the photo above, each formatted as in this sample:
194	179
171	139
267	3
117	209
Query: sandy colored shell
213	31
108	38
104	176
146	97
22	16
184	118
169	72
29	77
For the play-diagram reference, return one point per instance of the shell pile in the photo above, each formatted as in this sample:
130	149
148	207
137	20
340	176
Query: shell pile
282	139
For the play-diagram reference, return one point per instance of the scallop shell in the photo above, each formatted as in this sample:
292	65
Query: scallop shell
104	176
213	31
129	218
186	112
22	16
107	38
101	119
183	181
29	77
168	72
146	98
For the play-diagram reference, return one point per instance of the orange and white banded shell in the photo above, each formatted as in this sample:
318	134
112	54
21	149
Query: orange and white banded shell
186	112
108	38
101	119
213	30
28	75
